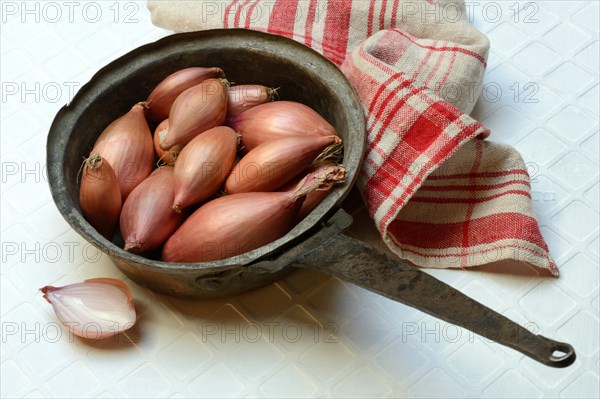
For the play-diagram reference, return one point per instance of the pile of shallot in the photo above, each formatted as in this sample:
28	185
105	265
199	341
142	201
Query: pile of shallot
235	169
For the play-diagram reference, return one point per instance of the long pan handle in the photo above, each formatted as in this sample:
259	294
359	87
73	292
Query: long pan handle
361	264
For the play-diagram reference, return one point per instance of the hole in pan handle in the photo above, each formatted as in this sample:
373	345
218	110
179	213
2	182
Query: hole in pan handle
561	355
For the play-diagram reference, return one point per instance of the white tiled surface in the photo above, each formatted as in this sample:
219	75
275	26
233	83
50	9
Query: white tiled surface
307	335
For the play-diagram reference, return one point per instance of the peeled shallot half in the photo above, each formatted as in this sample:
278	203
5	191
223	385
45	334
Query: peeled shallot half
94	309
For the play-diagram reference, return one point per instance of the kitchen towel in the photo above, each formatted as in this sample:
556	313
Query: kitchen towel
440	194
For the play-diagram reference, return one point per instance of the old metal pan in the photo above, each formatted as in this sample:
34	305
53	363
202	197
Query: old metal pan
318	241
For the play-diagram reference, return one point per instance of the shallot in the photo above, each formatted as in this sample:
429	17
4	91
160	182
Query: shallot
243	97
238	223
272	164
196	110
127	146
147	220
94	309
203	165
164	94
278	119
99	196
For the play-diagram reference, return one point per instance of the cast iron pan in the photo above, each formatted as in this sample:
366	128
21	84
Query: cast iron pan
317	242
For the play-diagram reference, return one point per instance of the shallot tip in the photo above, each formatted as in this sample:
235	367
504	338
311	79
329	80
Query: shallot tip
45	290
219	73
91	161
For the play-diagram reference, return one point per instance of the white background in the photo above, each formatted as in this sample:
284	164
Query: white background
308	334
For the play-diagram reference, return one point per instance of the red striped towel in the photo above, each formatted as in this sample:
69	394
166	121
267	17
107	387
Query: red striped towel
440	194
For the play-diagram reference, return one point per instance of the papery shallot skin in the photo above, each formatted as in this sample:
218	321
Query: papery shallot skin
100	196
325	171
127	146
164	157
241	98
147	220
278	119
203	165
272	164
164	94
196	110
232	225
